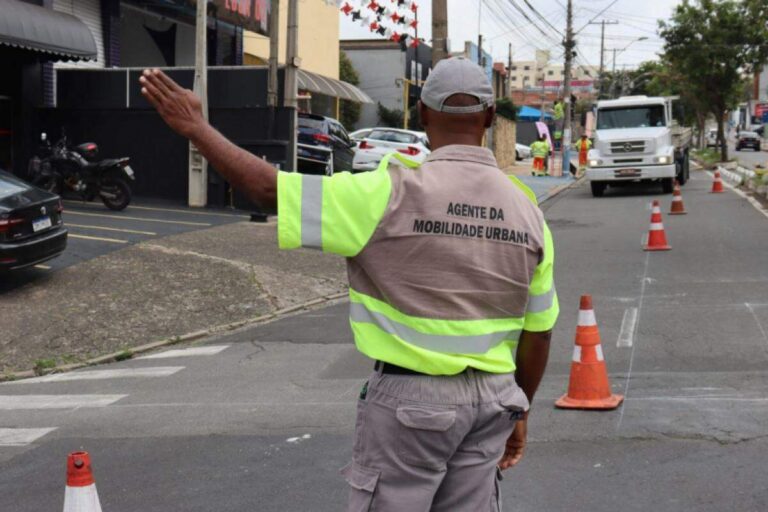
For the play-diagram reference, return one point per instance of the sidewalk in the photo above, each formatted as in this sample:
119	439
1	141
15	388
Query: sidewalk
542	186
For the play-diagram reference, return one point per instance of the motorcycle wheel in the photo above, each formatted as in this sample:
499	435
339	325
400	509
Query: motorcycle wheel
48	183
119	194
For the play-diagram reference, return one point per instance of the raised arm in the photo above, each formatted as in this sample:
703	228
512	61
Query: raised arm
182	111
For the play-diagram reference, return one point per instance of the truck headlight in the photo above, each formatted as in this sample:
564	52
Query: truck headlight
663	160
595	163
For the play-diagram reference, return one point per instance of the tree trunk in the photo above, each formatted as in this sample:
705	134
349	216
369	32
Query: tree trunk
721	136
701	125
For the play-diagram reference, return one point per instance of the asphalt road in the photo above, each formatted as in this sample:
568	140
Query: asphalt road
95	230
263	419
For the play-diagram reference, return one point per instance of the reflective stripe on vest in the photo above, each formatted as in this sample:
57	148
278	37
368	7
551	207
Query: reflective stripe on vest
541	303
312	211
456	344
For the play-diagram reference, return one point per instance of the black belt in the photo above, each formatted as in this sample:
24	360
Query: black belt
392	369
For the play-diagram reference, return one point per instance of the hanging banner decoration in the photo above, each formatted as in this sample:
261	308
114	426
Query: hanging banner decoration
401	14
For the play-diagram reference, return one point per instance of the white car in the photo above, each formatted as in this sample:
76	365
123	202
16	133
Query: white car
382	141
359	135
522	151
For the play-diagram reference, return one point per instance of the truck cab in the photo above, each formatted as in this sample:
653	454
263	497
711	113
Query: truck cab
637	140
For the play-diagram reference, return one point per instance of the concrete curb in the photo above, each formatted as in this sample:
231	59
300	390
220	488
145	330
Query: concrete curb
191	336
563	188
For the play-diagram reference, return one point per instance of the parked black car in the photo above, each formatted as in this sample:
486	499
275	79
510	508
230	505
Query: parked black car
31	227
324	145
748	140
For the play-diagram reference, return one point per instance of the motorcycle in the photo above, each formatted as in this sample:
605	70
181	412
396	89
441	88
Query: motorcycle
58	168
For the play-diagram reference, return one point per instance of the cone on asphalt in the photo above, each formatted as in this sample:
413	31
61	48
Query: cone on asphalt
588	387
657	238
80	494
717	185
678	208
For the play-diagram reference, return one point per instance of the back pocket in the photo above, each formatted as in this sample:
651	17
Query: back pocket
426	435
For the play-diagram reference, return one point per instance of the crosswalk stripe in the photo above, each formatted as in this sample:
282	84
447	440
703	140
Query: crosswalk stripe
29	402
119	373
98	239
208	350
126	217
22	436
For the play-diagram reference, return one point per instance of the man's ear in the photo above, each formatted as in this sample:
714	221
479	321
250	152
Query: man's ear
423	114
490	114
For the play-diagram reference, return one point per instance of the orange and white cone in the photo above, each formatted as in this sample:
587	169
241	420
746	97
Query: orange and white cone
80	494
657	238
588	387
678	208
717	185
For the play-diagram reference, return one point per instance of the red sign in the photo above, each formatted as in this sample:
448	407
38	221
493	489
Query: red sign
761	109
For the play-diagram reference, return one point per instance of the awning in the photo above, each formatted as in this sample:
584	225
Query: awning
330	87
35	28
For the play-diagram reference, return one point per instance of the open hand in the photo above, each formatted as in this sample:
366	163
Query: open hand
180	108
513	452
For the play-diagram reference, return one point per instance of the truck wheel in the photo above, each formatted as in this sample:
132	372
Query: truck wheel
667	185
598	188
680	167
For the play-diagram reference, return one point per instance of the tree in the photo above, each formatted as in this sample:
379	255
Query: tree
390	117
350	111
712	45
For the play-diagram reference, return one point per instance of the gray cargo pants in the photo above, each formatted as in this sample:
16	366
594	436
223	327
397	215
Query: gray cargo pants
431	443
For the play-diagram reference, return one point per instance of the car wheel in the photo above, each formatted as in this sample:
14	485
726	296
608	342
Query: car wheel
598	188
517	155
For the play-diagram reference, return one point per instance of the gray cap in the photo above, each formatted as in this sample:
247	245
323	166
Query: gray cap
457	75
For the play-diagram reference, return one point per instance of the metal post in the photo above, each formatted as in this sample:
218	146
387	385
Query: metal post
406	97
602	24
197	195
274	49
439	30
569	45
292	63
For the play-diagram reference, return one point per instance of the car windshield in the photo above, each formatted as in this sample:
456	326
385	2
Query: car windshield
392	136
10	186
643	116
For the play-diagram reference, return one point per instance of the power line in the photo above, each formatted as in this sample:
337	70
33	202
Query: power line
598	15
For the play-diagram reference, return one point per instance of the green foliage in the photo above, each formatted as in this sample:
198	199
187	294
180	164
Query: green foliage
707	156
124	355
390	118
349	110
711	45
506	109
44	364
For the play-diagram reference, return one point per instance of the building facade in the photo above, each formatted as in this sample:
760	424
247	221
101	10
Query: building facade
389	73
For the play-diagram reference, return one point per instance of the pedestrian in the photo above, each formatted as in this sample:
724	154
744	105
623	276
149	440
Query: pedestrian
540	152
583	145
451	292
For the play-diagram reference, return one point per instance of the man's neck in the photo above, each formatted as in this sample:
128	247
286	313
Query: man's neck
464	140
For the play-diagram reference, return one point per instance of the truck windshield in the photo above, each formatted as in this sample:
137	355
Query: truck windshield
630	117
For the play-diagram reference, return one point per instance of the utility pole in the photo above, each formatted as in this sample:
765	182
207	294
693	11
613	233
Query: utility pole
197	194
274	49
292	63
509	72
480	59
439	30
602	24
569	45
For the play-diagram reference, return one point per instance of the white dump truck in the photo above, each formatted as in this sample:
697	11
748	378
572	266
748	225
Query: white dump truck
637	140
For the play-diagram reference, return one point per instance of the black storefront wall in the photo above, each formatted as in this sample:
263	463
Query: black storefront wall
106	107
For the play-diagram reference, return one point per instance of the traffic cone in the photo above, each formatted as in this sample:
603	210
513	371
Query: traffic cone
588	387
717	185
657	239
80	494
678	208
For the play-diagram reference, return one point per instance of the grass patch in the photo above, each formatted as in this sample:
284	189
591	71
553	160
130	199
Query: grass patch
69	359
707	156
44	364
124	355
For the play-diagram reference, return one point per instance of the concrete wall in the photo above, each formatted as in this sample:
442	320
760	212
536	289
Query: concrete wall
318	38
504	139
378	70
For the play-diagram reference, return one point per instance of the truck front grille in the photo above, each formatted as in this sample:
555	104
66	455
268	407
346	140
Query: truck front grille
628	147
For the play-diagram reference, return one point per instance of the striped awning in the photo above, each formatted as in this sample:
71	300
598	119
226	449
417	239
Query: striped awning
34	28
320	84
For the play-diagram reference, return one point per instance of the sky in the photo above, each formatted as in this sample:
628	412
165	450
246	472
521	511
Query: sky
501	24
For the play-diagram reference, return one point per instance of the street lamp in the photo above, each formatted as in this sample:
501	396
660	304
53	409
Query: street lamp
617	51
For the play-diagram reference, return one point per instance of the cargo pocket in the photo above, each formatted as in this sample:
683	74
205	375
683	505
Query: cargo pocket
424	437
362	482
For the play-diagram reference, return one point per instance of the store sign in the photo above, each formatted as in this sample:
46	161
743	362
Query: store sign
761	109
581	84
252	15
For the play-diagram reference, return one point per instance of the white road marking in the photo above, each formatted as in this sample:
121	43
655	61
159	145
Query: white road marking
643	283
43	267
627	332
143	219
754	202
98	239
104	228
30	402
751	309
120	373
176	210
22	436
208	350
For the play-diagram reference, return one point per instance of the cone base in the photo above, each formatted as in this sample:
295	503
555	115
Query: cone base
677	213
657	248
601	404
